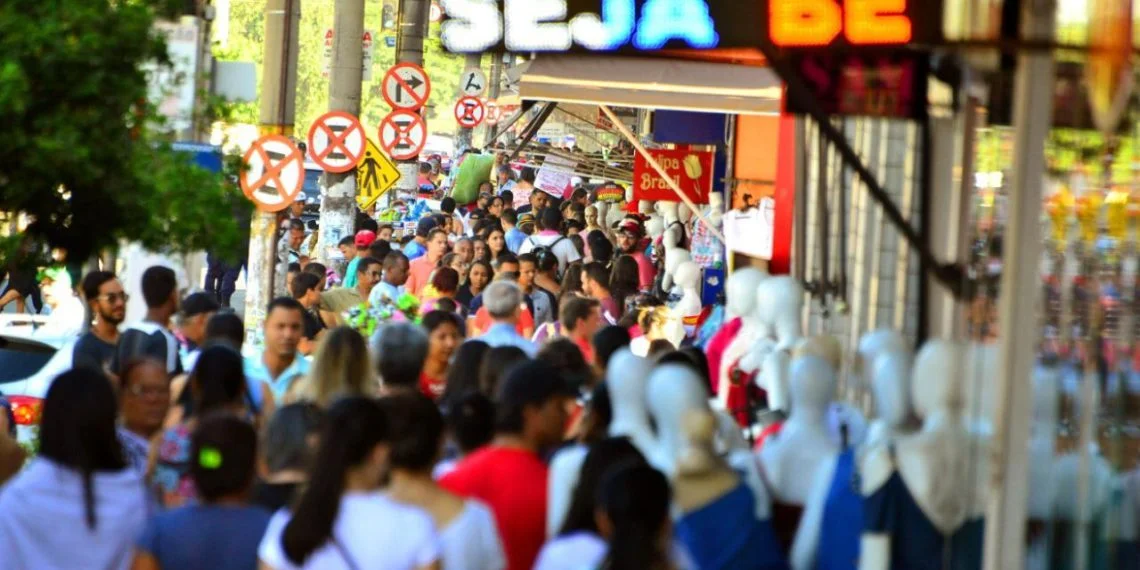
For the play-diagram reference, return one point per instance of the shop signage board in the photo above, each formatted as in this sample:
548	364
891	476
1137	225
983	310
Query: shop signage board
555	176
375	175
336	141
691	170
469	112
275	173
406	86
648	25
887	85
403	134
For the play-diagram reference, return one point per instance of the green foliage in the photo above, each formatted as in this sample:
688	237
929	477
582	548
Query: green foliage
245	43
84	156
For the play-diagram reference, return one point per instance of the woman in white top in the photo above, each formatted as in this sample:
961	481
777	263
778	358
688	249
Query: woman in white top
467	527
343	521
80	504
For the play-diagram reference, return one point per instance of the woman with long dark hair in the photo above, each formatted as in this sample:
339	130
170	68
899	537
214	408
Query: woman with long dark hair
496	242
342	520
463	376
624	281
633	504
79	504
445	333
478	276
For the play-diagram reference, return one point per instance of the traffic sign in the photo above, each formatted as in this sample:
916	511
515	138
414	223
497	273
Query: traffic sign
275	173
406	86
336	141
473	82
469	112
366	43
494	113
403	134
375	175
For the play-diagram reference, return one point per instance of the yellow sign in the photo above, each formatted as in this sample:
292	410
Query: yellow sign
375	175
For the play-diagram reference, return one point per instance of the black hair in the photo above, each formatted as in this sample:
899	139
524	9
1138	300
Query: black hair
598	415
608	341
564	355
218	379
158	284
576	308
550	219
223	456
393	258
296	224
354	427
602	458
571	279
625	280
379	249
509	215
303	283
447	205
597	273
579	193
601	248
286	438
471	421
364	222
507	196
365	263
435	319
77	429
445	280
93	281
316	268
636	499
463	374
579	244
287	303
294	267
225	327
505	257
496	364
347	240
527	174
528	258
416	430
692	358
425	167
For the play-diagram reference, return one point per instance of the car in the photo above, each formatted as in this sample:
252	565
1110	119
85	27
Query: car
27	367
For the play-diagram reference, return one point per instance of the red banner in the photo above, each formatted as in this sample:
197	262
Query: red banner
692	170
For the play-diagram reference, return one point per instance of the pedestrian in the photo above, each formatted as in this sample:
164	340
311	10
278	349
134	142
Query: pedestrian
79	504
564	355
503	300
306	290
633	511
596	285
194	311
342	519
341	299
271	373
577	541
391	285
630	234
505	177
226	328
288	448
496	365
572	281
543	303
152	336
549	240
420	269
21	285
509	475
341	367
455	261
465	249
400	350
445	333
496	241
222	530
512	234
581	319
466	527
360	242
417	248
606	343
108	303
546	274
600	248
463	374
471	427
479	250
478	276
217	384
536	199
144	401
624	283
444	287
495	207
67	313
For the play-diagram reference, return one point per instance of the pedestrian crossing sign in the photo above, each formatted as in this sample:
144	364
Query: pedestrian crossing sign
375	175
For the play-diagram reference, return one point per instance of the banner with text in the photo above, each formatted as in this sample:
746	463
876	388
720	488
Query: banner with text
692	170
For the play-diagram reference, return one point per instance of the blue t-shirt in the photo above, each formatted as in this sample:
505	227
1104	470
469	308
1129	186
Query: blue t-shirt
414	250
206	536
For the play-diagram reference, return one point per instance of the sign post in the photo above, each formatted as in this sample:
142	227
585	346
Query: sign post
403	134
376	174
406	86
275	173
469	112
473	82
336	141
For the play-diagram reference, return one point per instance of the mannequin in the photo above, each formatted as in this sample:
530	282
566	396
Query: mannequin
735	339
845	423
688	278
673	241
930	484
714	522
890	386
793	458
673	259
779	301
715	210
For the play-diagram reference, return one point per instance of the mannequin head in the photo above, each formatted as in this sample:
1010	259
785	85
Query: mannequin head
812	385
646	208
687	276
674	259
874	343
822	346
940	365
716	208
626	378
654	226
740	291
779	301
684	214
667	210
674	391
890	385
614	214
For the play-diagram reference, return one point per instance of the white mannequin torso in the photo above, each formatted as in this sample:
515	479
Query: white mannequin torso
688	278
740	289
627	378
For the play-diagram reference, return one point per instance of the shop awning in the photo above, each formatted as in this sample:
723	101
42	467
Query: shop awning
652	83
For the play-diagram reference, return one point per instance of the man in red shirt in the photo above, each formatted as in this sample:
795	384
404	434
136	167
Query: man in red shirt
509	475
581	318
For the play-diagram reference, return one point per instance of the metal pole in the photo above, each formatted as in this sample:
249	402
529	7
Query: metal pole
413	21
278	91
493	93
1033	105
346	74
465	135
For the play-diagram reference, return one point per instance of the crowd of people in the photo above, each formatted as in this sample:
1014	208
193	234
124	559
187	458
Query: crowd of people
421	444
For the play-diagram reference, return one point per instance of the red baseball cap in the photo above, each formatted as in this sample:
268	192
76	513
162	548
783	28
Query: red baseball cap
364	238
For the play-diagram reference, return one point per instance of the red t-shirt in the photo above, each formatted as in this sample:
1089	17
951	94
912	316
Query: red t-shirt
512	482
432	387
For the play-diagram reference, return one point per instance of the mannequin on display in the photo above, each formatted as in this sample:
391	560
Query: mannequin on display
714	523
792	459
779	303
674	258
688	279
845	422
925	494
736	338
890	383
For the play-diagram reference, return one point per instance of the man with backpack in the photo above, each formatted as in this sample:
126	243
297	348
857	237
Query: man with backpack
550	241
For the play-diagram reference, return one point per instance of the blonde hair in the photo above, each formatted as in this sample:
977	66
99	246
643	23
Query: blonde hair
341	367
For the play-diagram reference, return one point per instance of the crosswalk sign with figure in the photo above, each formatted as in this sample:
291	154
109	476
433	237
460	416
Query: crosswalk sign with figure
375	175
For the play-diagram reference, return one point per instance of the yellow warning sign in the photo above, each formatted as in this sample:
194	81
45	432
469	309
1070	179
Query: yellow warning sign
375	175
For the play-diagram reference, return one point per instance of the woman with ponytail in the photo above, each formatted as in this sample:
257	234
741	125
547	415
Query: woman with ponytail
342	521
78	504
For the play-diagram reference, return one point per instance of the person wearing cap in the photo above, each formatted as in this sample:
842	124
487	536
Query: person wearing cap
526	224
509	475
416	248
629	236
196	309
361	242
503	301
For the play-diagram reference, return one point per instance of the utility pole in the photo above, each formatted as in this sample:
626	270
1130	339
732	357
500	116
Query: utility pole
493	92
346	76
413	23
278	93
465	134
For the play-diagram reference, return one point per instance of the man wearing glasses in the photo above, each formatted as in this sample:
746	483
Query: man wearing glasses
104	294
341	299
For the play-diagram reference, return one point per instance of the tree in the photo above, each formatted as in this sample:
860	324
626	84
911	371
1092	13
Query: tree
85	157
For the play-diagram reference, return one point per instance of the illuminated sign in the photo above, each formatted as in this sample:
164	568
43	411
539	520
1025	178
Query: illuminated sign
879	85
649	25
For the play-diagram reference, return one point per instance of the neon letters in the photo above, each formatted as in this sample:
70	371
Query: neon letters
817	23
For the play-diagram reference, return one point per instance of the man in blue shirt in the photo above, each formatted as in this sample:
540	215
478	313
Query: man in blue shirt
511	233
417	248
275	370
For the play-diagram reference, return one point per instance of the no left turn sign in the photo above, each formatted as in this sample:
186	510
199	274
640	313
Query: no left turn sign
403	134
469	112
275	175
336	141
406	86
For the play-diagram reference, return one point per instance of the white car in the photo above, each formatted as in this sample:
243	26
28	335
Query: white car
28	364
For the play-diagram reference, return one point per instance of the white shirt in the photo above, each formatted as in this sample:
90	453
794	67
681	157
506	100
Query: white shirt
65	321
375	531
562	247
586	550
471	541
